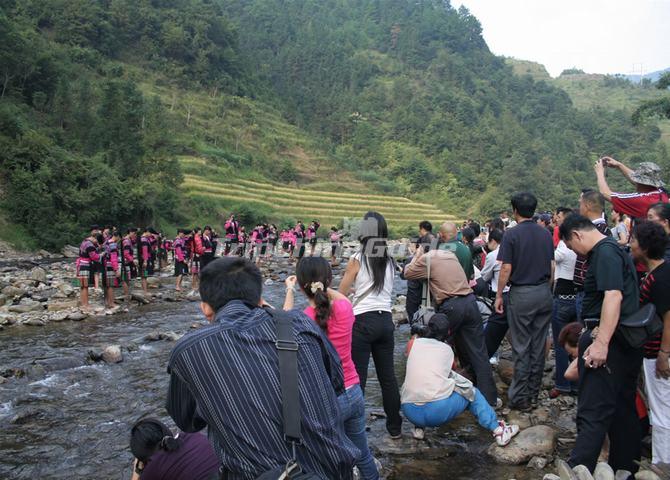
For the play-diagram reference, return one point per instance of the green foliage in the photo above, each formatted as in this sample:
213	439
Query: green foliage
410	96
572	71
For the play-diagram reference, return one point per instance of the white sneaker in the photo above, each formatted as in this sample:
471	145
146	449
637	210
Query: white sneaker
419	433
504	433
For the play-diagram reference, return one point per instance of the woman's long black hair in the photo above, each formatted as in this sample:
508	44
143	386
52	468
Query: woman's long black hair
374	249
149	435
311	270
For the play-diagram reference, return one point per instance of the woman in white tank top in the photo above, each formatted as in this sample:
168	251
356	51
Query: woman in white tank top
370	272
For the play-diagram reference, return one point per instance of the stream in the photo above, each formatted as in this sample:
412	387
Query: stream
69	418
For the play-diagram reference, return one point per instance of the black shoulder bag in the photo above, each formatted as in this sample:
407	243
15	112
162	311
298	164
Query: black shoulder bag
287	348
636	329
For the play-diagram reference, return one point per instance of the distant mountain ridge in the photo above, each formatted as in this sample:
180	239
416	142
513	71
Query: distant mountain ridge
653	76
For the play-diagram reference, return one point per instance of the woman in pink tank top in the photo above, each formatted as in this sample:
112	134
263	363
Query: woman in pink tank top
333	312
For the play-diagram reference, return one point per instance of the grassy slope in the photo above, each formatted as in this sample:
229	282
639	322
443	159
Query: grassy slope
225	136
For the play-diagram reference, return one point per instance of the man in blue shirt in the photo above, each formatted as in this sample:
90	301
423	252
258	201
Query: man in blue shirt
527	256
226	377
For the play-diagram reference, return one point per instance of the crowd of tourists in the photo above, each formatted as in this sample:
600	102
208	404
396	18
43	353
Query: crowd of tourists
281	391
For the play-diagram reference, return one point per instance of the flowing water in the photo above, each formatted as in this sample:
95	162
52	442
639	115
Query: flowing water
68	418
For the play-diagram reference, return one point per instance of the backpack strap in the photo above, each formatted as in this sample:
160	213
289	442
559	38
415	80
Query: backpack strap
287	350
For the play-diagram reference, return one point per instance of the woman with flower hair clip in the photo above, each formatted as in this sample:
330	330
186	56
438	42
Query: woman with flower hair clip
333	312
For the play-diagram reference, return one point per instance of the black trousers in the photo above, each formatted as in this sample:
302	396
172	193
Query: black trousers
413	302
469	342
373	334
496	329
606	405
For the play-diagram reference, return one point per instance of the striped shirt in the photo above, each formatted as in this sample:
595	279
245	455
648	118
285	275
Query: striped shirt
654	289
226	377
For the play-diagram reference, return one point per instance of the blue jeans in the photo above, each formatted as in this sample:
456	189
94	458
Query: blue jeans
352	409
565	311
439	412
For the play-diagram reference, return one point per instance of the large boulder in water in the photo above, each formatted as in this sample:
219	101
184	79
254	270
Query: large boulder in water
112	354
537	441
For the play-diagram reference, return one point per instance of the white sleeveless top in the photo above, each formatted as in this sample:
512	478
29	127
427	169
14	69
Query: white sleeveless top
374	301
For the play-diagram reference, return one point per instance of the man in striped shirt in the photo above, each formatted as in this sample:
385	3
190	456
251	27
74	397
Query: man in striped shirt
226	377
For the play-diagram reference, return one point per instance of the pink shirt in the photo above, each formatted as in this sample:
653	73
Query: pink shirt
340	325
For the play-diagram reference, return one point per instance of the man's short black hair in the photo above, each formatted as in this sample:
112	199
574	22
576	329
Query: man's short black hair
426	225
564	210
475	228
524	203
230	278
574	223
496	235
594	200
652	239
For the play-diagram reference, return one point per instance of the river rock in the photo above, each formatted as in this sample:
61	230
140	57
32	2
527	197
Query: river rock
34	322
66	289
269	281
582	473
505	370
539	440
551	476
38	274
603	472
170	336
12	291
564	470
152	336
60	306
112	354
77	316
622	475
3	299
139	297
153	282
7	319
537	463
58	317
70	251
646	475
25	307
523	420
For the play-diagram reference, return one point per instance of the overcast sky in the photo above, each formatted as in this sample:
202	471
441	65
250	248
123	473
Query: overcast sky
598	36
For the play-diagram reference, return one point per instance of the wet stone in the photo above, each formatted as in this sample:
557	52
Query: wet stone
582	473
112	354
539	440
564	470
537	463
34	322
77	316
603	472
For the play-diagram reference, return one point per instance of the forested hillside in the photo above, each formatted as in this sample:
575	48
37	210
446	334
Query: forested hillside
409	91
107	106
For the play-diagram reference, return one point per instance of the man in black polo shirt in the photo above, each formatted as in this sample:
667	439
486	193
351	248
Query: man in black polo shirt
608	369
527	255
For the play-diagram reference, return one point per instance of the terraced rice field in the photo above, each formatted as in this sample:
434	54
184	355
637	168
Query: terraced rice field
327	206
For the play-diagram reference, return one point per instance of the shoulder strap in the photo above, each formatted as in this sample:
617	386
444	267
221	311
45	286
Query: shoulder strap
426	286
287	349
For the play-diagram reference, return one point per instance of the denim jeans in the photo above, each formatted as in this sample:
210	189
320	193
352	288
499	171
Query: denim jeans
373	335
352	409
564	312
439	412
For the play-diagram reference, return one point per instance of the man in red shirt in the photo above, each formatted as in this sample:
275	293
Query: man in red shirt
648	187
